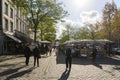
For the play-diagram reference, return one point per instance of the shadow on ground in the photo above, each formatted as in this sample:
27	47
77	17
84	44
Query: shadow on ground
10	65
60	59
14	70
65	75
8	57
10	71
19	74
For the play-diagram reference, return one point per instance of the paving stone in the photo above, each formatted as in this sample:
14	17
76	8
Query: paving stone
53	68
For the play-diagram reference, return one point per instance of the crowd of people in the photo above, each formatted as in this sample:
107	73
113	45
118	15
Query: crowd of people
36	50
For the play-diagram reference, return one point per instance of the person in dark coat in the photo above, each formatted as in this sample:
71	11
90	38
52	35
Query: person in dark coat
68	59
94	54
36	53
46	49
27	54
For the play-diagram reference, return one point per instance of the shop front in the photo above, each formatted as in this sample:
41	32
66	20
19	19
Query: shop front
10	44
23	37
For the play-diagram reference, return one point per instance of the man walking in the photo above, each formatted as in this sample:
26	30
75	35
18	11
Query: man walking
94	54
68	54
36	53
27	53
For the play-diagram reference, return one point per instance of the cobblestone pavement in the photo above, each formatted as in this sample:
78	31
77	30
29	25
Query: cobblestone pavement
53	68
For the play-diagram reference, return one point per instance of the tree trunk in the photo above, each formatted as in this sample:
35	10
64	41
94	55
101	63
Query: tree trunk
42	35
35	33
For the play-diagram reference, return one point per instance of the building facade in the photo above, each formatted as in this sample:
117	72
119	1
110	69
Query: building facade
13	27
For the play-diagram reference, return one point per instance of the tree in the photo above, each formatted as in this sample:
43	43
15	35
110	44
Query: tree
108	12
64	37
39	11
116	27
92	29
75	33
82	33
18	3
66	34
47	31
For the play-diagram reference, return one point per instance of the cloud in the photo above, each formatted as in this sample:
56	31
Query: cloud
72	23
85	17
61	25
90	16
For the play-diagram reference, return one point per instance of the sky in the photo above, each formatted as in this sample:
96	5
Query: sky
82	11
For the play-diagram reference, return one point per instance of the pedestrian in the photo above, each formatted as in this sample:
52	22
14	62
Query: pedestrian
68	59
46	49
27	53
94	54
50	50
36	53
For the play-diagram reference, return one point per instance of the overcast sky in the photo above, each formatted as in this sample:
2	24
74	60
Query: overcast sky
81	11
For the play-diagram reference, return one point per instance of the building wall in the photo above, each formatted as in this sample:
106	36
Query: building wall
1	35
0	14
6	17
17	22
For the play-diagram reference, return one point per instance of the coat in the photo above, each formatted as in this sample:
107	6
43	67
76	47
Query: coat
27	51
68	52
36	52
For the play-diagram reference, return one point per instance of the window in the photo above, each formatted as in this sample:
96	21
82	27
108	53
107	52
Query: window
24	28
11	12
6	24
11	26
20	26
17	24
6	8
17	13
